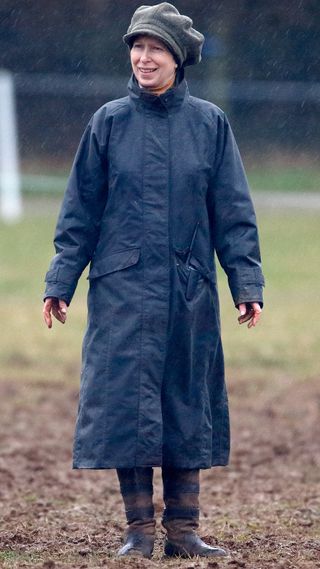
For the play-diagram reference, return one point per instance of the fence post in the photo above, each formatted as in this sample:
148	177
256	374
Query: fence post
10	183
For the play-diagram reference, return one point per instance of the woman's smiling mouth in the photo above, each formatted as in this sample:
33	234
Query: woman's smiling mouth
147	70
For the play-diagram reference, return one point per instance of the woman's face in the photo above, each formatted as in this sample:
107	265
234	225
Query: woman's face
152	63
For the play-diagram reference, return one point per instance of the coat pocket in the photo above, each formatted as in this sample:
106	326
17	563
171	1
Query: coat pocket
189	275
114	262
192	274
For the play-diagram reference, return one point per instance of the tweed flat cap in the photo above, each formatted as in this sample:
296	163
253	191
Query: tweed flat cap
163	21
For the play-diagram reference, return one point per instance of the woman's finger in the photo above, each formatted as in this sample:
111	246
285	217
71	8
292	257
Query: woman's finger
245	318
245	313
250	313
256	315
63	310
57	314
46	311
59	310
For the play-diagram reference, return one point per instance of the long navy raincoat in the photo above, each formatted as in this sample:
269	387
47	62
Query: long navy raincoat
157	186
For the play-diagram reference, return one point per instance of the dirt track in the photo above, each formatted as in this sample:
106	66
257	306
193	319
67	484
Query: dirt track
265	507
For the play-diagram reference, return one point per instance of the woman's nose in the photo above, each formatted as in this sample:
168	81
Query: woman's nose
145	56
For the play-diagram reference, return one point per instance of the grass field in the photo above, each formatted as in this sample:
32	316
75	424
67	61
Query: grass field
284	179
264	508
273	172
286	342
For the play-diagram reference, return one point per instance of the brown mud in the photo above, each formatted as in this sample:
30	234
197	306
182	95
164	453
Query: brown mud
264	508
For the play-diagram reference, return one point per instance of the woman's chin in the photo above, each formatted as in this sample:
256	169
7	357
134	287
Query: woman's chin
148	81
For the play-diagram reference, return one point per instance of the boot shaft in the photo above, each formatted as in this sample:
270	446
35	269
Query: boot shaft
181	489
136	486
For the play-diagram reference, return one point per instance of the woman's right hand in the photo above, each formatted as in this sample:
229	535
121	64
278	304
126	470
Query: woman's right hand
57	307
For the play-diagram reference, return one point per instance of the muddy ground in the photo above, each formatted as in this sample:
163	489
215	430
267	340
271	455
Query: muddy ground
265	507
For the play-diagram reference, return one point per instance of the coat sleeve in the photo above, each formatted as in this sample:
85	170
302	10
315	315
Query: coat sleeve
233	221
78	225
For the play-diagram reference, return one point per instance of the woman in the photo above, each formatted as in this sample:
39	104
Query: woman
156	187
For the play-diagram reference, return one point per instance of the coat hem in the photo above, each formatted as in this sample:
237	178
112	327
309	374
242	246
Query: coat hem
221	461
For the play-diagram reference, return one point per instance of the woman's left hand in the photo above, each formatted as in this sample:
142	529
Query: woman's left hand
249	312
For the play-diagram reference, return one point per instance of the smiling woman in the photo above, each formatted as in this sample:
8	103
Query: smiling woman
157	186
153	64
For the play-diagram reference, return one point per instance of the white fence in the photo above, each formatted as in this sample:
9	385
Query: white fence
10	187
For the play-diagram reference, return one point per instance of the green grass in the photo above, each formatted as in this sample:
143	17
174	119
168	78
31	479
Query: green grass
287	339
15	559
285	344
282	178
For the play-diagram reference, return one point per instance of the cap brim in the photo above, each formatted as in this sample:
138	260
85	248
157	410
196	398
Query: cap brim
146	31
128	38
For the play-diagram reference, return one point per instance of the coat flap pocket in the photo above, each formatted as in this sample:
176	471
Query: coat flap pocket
114	262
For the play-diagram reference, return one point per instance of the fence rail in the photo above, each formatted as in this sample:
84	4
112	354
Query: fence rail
113	87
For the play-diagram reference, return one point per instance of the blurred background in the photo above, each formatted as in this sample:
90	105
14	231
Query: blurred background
260	64
60	61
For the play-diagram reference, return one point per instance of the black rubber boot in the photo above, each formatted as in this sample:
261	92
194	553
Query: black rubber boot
190	545
137	491
181	515
137	543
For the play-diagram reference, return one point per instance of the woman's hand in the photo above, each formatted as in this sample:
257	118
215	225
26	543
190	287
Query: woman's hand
249	312
57	307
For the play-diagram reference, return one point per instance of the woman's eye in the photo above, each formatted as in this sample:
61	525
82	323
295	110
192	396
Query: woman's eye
140	46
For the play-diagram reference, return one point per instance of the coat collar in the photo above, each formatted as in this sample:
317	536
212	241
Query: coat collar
170	101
